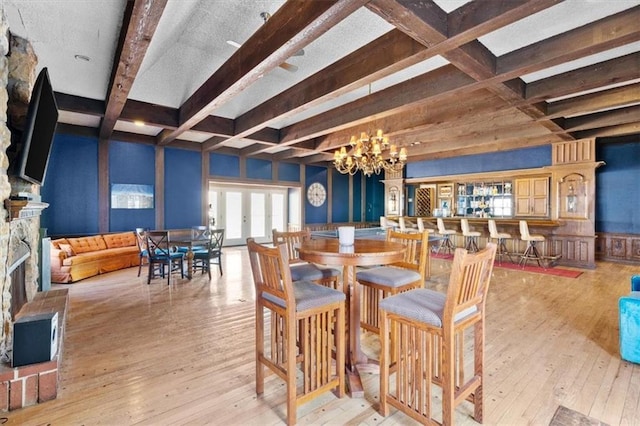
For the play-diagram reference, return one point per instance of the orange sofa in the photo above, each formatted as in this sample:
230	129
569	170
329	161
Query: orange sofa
73	259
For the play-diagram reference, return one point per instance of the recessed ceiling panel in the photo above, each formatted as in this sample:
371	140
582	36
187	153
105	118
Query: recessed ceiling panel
64	29
548	23
129	127
77	119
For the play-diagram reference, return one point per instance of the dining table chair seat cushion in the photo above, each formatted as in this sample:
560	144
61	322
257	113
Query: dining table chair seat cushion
184	249
309	295
311	272
422	305
388	276
173	255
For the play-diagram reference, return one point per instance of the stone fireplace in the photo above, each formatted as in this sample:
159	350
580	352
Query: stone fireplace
19	238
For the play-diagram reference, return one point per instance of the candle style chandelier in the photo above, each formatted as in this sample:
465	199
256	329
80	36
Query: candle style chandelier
366	155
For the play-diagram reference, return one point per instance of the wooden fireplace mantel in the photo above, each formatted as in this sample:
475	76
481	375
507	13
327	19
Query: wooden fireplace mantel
22	209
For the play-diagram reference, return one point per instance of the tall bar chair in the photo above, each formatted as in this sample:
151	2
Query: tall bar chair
301	270
500	238
383	281
423	342
422	228
470	237
304	318
445	242
532	250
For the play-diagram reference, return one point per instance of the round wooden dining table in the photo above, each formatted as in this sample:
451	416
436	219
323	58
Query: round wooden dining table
363	252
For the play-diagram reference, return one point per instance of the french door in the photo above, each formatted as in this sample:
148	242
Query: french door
248	211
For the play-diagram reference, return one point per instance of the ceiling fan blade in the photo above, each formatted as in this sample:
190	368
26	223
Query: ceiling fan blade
289	67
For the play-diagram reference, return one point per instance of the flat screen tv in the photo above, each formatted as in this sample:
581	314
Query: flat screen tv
39	130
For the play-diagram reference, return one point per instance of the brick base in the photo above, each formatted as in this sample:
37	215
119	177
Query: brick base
35	383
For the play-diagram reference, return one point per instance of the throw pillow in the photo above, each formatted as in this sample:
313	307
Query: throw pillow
67	249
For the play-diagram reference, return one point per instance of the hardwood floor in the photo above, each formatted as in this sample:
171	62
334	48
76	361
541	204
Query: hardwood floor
184	354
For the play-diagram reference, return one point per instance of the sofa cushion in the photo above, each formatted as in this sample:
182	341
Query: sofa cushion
67	249
56	243
99	256
87	244
122	239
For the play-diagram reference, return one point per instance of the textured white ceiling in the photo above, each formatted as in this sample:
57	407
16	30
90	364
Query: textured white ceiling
190	43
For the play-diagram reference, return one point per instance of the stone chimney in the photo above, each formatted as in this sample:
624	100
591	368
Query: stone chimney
17	77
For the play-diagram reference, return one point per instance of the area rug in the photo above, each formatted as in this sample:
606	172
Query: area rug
552	270
567	417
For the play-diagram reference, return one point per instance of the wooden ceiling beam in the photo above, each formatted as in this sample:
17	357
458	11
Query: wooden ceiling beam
154	115
213	143
607	33
79	104
580	105
139	24
604	119
619	130
444	82
291	28
617	70
492	146
357	69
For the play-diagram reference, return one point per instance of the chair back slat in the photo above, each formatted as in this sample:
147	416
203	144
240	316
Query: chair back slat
216	240
199	232
292	240
157	244
271	274
469	280
493	229
417	244
141	239
524	229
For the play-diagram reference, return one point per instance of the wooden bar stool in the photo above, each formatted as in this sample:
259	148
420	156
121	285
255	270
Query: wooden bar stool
301	270
305	318
500	238
445	242
383	281
532	251
470	237
422	342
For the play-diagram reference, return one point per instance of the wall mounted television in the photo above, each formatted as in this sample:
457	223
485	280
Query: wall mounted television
39	130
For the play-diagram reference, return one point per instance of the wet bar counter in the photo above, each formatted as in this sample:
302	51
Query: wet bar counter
567	243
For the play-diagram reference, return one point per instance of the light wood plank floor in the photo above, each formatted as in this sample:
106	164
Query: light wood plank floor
184	354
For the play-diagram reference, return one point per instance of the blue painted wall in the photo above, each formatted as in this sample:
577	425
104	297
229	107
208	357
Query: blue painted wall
183	189
135	164
526	158
289	172
340	197
375	198
71	186
617	188
315	214
258	169
357	198
224	165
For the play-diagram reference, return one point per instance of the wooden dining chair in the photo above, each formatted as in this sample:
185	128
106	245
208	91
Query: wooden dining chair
423	342
162	259
301	270
141	240
210	253
383	281
304	318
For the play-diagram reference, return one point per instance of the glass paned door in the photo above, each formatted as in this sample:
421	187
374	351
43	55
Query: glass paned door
246	211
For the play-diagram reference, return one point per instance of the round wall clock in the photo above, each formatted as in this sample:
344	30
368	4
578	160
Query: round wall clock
316	194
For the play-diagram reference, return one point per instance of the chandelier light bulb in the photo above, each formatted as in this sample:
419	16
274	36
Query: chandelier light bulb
367	155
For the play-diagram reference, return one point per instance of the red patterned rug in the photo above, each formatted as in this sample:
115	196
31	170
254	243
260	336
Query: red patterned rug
551	270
